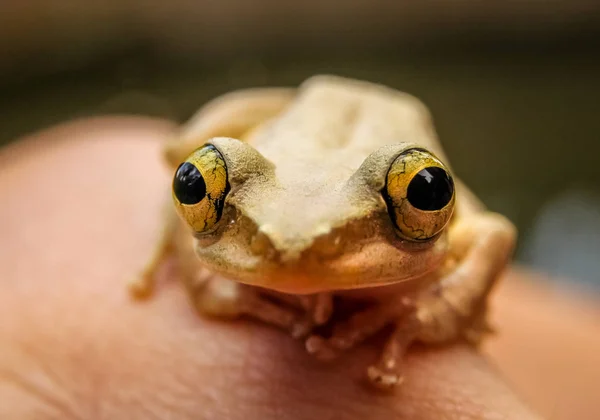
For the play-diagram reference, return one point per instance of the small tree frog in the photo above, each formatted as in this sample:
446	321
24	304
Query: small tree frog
293	202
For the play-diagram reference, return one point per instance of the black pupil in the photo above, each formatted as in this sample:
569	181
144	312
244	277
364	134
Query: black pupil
188	185
430	189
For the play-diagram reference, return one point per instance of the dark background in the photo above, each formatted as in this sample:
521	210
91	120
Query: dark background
513	86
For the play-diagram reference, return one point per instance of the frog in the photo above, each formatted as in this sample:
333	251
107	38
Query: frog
291	201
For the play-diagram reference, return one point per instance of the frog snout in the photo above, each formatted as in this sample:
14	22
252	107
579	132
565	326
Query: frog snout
290	249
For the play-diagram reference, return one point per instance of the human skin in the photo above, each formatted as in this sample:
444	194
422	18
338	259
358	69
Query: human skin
81	208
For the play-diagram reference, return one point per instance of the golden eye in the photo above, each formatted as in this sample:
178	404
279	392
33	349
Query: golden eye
419	193
199	188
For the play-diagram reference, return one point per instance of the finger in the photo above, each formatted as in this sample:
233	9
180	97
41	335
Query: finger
81	210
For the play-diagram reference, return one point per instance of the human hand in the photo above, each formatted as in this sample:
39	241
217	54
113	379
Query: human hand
81	208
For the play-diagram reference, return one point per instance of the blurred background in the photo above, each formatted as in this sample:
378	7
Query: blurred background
514	86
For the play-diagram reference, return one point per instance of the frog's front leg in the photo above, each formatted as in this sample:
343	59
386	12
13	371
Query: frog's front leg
317	307
318	310
453	308
386	373
359	327
219	297
222	298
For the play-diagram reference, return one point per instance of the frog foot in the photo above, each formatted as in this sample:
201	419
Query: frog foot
382	378
320	348
386	373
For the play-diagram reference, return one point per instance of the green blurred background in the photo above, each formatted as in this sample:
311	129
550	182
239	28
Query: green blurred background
514	86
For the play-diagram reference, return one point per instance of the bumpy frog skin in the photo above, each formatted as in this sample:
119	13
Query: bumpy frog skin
337	188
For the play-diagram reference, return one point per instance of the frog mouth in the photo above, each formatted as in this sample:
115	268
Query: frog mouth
314	274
